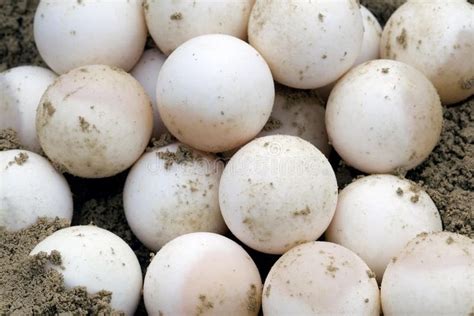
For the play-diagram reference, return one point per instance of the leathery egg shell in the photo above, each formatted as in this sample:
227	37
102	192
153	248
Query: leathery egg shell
382	116
276	192
320	278
202	273
31	188
98	260
172	191
432	275
94	121
381	208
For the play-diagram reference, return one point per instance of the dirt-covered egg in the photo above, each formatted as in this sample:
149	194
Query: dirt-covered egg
307	44
277	192
98	260
377	215
202	274
437	38
215	92
94	121
320	278
30	188
146	72
298	113
171	23
172	191
21	89
74	33
432	275
384	116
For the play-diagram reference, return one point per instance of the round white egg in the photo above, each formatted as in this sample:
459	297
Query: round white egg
171	23
165	197
277	192
377	215
384	116
298	113
21	89
436	37
320	278
94	121
202	274
146	72
74	33
98	260
307	44
31	188
433	275
215	92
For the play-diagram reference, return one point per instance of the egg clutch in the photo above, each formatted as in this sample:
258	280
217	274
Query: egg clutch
255	95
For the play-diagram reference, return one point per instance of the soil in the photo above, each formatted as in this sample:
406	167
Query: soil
26	287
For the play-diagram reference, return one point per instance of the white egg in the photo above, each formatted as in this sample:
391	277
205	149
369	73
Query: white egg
21	89
98	260
171	23
94	121
146	72
307	44
437	38
215	92
298	113
384	116
277	192
31	188
320	278
172	191
202	274
74	33
433	275
377	215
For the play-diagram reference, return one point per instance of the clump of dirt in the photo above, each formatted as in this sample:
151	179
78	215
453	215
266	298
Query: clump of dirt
164	140
9	140
182	155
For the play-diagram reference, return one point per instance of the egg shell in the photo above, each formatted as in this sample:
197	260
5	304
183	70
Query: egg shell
384	116
74	33
437	38
171	23
307	44
276	192
146	72
432	275
165	198
21	89
94	121
215	92
31	188
298	113
377	215
202	273
320	278
98	260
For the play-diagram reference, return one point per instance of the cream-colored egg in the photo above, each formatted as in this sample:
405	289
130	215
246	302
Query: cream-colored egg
172	191
31	188
433	275
94	121
202	274
377	215
171	23
277	192
320	278
21	89
437	38
384	116
74	33
215	92
146	72
307	44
